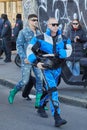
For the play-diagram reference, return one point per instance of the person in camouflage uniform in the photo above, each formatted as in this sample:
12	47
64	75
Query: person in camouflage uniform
24	37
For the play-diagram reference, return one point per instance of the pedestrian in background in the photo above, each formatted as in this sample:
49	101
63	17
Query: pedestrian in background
47	52
78	37
6	37
1	26
15	31
24	37
18	26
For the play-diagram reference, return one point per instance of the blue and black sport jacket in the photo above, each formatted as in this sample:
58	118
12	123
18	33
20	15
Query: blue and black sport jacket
55	48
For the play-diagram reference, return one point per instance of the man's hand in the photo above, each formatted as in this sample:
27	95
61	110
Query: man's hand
40	65
26	61
76	38
12	35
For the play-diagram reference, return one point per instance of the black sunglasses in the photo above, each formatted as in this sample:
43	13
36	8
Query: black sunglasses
75	23
34	20
55	24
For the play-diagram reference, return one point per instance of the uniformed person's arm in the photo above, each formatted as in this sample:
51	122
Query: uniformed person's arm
16	29
5	30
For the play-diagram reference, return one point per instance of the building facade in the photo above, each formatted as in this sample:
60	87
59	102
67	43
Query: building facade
12	7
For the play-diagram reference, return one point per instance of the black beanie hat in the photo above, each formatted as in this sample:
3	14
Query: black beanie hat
4	16
18	16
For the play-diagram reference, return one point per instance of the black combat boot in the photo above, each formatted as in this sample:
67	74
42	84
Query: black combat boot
58	120
41	111
7	60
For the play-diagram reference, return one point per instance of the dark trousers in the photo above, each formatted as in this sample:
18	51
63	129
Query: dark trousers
84	73
29	86
1	49
7	49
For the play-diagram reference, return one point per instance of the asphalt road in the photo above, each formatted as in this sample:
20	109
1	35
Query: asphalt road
76	95
23	116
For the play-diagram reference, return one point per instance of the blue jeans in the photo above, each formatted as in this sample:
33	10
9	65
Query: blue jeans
74	67
39	79
26	68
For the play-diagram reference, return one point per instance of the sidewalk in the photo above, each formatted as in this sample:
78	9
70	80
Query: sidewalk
10	74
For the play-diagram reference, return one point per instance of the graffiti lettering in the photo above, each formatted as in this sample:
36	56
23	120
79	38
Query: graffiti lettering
63	10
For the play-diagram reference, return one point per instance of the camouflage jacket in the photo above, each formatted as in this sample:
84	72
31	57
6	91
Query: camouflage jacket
24	37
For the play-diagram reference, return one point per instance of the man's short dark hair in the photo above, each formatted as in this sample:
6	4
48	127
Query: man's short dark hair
32	15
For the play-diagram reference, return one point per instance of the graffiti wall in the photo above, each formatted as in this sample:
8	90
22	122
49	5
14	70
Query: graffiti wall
29	7
63	10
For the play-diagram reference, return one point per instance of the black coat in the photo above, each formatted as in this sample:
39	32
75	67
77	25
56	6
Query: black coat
6	31
77	47
17	28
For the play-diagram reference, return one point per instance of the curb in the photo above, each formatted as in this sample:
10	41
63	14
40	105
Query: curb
73	101
7	83
63	98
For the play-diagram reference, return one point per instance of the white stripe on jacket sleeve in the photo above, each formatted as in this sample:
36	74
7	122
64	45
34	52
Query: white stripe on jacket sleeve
68	50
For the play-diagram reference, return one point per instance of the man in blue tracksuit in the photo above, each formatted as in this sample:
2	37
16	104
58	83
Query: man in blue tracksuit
47	52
